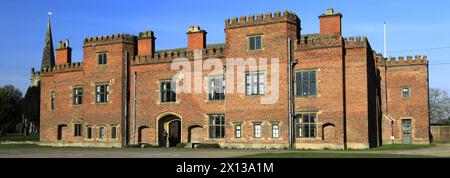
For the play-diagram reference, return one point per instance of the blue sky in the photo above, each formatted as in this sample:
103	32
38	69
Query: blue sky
411	25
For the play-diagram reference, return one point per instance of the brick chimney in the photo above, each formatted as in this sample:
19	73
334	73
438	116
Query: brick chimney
146	43
330	22
196	38
63	53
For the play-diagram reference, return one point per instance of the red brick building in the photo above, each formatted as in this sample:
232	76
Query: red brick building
342	93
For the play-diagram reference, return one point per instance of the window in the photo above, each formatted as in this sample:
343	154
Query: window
216	88
77	130
237	131
255	43
254	84
52	100
217	126
90	132
77	96
168	89
405	92
101	132
257	130
306	83
305	125
102	58
275	131
114	132
102	93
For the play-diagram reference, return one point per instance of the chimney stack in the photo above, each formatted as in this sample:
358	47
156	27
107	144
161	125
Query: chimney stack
146	43
63	53
196	38
330	23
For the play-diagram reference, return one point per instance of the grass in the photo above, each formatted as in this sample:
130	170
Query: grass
19	137
19	146
401	147
329	155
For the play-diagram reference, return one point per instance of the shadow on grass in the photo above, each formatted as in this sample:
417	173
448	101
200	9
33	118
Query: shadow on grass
330	155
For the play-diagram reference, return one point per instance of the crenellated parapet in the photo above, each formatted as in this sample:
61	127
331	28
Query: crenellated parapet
261	19
35	73
408	61
69	67
165	57
318	41
356	42
379	59
114	38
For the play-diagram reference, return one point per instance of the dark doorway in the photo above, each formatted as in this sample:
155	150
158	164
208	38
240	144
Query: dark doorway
170	124
174	133
60	131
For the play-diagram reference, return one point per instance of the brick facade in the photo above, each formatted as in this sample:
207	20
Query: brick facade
358	92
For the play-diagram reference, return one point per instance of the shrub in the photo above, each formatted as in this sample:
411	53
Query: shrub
207	145
181	145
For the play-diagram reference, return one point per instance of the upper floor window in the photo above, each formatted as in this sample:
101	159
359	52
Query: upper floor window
405	92
217	126
52	100
275	130
102	58
254	83
102	93
306	83
255	43
305	125
168	93
77	130
77	96
216	88
257	130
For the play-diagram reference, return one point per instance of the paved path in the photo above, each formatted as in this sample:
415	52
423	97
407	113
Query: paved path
442	150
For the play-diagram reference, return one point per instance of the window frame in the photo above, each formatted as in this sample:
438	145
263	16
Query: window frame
252	38
102	58
257	133
52	100
163	93
238	132
212	96
259	85
101	135
114	132
78	96
77	130
213	126
102	97
90	132
277	134
403	93
301	84
302	125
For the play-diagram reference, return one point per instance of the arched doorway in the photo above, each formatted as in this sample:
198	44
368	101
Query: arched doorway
171	124
143	135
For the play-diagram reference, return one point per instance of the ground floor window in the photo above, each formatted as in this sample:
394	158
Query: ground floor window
257	130
114	132
237	131
90	132
101	132
217	126
275	131
77	130
306	125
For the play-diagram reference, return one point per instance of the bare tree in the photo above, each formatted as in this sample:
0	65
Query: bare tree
439	105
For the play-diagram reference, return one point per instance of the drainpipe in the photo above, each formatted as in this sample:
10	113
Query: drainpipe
125	101
134	107
291	64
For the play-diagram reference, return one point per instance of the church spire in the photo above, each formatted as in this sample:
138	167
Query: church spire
48	57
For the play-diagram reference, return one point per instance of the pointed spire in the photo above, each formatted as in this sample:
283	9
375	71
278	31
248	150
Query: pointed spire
48	57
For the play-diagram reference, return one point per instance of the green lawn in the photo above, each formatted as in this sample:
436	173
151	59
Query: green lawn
401	147
19	146
329	155
19	137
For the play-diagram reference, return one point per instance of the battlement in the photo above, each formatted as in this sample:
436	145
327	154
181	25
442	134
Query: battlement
169	56
261	19
356	42
35	73
110	38
318	41
62	68
146	34
401	61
